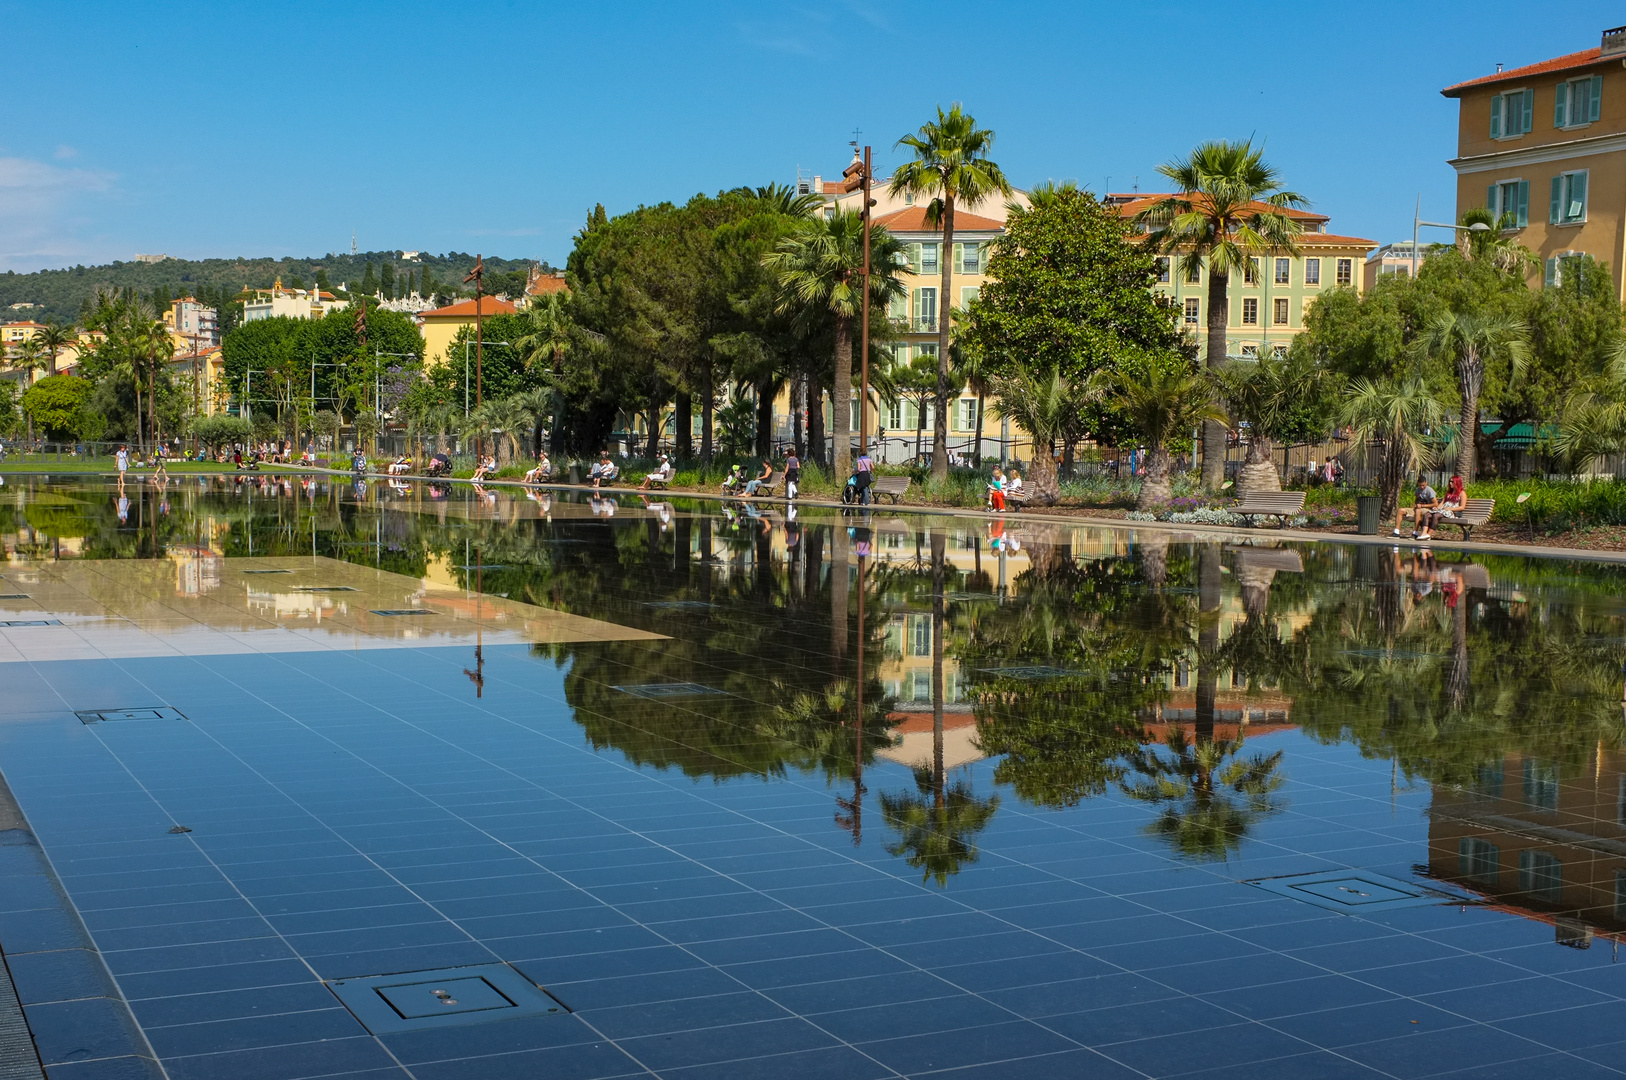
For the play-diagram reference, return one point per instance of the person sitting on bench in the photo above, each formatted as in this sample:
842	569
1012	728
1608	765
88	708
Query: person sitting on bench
1420	512
603	471
1456	498
543	470
661	475
766	477
996	490
1013	486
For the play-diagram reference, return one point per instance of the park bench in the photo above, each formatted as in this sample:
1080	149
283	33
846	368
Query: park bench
765	489
1277	504
895	486
1016	500
1473	512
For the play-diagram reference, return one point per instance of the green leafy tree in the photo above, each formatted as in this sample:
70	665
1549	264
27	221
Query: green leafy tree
1280	399
386	280
56	405
952	168
1162	397
1229	209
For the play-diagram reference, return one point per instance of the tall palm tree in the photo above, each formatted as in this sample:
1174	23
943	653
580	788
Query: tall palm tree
1041	404
539	405
783	199
951	166
1472	341
30	358
53	339
1165	399
549	330
1229	210
820	271
1394	416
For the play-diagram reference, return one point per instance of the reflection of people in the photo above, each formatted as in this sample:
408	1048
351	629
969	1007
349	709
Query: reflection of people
124	507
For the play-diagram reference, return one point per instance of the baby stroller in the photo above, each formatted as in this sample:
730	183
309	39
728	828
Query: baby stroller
439	465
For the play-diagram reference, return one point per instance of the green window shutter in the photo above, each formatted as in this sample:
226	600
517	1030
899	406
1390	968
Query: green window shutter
1527	111
1524	203
1597	97
1550	272
1561	102
1496	117
1490	202
1555	210
1575	205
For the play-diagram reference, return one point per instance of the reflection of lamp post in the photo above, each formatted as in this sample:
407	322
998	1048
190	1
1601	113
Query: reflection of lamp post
1418	222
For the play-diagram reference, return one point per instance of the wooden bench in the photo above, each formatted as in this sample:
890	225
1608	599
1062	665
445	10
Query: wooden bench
656	483
1473	512
895	486
1276	504
765	489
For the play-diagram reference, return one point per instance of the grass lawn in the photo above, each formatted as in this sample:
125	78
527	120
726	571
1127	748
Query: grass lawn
47	463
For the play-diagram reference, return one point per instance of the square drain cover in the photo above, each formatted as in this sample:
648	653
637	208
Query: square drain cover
415	1000
31	622
657	690
99	716
402	611
1354	890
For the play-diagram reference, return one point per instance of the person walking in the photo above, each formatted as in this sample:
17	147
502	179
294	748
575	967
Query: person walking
122	459
864	476
793	474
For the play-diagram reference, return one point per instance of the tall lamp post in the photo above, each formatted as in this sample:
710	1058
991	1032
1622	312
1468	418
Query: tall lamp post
1417	222
857	178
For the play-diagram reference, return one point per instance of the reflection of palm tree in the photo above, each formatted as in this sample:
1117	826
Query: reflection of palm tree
1209	802
937	823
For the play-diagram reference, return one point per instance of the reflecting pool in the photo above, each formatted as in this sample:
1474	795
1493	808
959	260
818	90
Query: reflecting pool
409	780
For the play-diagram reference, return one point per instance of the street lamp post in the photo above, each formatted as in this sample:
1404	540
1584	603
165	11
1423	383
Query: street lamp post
466	373
1417	222
857	178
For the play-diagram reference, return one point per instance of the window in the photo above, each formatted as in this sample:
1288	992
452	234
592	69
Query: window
1279	351
1249	352
1312	271
1284	271
968	414
1555	267
1510	113
1250	312
969	293
897	309
968	258
894	415
1576	103
1510	197
1191	311
1279	316
1194	272
928	258
1541	875
1541	785
1162	264
1250	272
920	636
1346	271
925	313
1478	859
1568	204
1488	780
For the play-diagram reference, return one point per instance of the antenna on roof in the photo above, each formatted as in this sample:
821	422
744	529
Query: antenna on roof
1498	69
1137	184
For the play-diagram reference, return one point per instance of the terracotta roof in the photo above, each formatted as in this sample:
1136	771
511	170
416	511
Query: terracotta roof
26	323
541	286
489	305
913	219
1312	239
831	187
1138	202
1584	58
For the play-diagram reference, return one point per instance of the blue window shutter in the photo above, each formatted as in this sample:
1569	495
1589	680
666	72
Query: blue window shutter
1597	96
1555	211
1561	101
1527	112
1496	117
1490	202
1576	208
1524	203
1550	272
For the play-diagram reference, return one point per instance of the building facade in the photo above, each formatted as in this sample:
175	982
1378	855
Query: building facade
193	325
1269	300
440	326
1543	146
1394	260
280	301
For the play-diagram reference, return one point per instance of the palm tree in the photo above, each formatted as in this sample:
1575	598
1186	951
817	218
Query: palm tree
1396	417
1166	399
30	358
1042	404
1472	341
1209	802
538	405
1229	210
951	166
548	330
1496	243
506	417
1270	398
820	270
783	199
53	339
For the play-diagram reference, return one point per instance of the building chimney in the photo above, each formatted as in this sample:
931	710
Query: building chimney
1614	42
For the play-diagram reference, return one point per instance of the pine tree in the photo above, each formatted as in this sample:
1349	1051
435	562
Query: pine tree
426	285
386	281
321	281
369	283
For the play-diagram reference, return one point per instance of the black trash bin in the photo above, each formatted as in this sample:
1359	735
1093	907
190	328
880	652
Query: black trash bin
1367	508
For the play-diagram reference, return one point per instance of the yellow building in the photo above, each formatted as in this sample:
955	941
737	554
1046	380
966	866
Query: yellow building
201	378
440	326
1545	143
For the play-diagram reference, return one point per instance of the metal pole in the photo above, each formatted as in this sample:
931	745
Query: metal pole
1416	220
465	377
863	398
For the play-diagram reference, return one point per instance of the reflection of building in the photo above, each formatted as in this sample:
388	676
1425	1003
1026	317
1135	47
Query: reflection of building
1545	846
197	570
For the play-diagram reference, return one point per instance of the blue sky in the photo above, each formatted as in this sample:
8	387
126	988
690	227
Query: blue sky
223	129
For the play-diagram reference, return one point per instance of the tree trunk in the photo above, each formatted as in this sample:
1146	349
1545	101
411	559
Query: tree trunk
653	445
1208	606
683	421
920	425
1215	432
841	396
1470	380
707	403
798	409
1042	472
1259	471
764	417
838	594
815	425
945	261
1154	485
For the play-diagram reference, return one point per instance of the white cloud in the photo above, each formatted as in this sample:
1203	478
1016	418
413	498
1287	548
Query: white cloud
64	152
43	210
